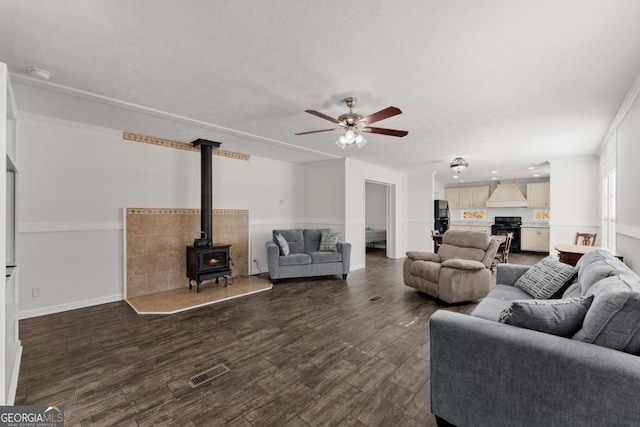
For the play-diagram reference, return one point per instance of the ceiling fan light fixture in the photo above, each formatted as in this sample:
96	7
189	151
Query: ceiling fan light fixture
341	142
458	165
360	141
350	136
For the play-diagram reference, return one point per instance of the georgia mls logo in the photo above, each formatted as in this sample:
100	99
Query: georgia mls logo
32	416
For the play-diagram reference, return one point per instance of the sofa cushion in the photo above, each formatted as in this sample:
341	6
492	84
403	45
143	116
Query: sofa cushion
328	242
572	291
464	245
294	259
614	317
598	265
498	299
282	243
312	237
545	278
294	239
321	257
562	317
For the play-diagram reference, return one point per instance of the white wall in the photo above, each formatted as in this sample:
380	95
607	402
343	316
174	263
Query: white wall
75	181
420	208
627	191
376	206
324	202
574	198
357	173
272	191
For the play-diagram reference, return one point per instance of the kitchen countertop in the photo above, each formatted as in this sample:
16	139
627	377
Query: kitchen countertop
540	224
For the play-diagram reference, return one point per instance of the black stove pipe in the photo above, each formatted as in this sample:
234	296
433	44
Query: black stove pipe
206	184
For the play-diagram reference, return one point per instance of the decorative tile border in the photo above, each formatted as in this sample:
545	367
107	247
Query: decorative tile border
473	215
180	145
542	214
147	211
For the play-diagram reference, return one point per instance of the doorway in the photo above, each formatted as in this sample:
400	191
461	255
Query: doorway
379	200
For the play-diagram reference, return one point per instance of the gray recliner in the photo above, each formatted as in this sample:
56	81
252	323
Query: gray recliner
460	271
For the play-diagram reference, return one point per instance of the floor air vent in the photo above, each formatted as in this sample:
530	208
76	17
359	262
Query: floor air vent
208	375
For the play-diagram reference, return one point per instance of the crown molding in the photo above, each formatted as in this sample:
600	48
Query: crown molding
118	103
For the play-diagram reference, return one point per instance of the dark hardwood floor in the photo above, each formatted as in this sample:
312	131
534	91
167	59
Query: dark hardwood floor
311	352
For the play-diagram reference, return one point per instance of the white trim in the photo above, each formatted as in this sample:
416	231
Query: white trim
628	230
275	221
576	224
325	221
113	102
200	305
13	384
36	312
632	94
356	267
54	227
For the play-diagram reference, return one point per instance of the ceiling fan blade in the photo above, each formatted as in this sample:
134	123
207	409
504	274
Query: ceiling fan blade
322	115
315	131
383	131
381	115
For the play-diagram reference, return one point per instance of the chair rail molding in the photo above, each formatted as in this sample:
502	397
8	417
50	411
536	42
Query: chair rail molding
628	230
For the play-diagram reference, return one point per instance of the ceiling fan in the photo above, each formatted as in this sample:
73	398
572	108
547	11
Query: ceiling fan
352	124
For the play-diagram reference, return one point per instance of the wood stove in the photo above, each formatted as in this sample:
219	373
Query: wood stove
207	261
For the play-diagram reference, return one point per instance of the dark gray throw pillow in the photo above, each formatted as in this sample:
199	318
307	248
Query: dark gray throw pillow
545	278
562	317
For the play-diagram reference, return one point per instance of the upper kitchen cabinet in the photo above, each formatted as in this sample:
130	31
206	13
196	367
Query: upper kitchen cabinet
467	197
538	195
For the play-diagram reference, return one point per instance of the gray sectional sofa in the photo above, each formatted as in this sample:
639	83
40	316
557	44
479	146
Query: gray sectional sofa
304	258
488	373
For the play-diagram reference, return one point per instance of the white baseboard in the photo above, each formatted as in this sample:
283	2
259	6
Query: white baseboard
27	314
13	385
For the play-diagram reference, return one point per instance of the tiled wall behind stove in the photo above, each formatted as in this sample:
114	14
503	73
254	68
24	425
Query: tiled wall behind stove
528	215
156	239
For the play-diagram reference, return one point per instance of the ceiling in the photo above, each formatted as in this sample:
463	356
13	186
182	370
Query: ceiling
505	84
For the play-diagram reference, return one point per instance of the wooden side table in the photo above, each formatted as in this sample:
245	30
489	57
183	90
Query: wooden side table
570	254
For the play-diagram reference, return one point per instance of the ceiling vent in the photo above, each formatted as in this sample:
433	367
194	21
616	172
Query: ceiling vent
507	195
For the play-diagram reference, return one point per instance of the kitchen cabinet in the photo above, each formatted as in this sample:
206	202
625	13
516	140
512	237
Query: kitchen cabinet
538	195
534	239
467	197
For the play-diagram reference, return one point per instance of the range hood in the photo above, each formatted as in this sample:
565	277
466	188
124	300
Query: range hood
507	195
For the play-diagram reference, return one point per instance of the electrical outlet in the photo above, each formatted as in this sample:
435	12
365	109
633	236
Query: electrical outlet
36	291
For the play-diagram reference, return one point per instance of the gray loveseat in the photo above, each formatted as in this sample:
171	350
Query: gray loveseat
486	373
305	259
